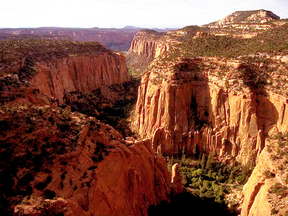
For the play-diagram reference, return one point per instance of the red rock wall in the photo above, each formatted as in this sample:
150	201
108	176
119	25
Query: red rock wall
173	114
79	73
130	179
149	45
258	198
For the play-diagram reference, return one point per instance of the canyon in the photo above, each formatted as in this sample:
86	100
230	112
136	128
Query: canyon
73	149
201	92
225	106
182	108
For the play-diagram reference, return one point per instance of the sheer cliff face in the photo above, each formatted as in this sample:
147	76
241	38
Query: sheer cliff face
186	106
146	46
79	73
55	78
39	70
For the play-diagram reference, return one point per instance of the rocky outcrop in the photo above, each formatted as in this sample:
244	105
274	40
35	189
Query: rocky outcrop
79	73
266	191
244	24
57	153
256	16
176	179
146	46
54	79
86	163
186	108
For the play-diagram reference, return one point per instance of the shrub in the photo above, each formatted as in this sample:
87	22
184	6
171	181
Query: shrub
279	190
269	174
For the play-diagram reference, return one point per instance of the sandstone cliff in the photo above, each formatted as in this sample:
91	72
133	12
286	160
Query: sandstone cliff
193	105
79	73
55	68
146	46
266	191
227	105
85	162
245	24
54	161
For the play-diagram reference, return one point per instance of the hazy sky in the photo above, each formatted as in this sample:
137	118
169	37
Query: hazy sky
120	13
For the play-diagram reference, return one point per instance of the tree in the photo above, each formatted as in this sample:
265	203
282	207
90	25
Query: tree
209	161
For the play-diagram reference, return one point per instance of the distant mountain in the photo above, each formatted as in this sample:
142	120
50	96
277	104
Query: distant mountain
132	27
113	38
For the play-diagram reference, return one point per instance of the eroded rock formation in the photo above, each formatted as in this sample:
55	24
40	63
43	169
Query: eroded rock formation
89	165
54	68
188	108
225	106
257	16
64	162
146	46
79	73
266	191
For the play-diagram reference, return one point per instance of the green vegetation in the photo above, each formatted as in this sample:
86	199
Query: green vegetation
271	42
279	189
278	148
14	52
192	29
269	174
111	105
152	33
208	182
208	178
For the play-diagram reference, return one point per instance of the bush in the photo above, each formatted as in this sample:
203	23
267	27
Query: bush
209	178
269	174
279	190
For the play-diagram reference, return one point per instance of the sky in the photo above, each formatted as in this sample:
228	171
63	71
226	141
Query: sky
120	13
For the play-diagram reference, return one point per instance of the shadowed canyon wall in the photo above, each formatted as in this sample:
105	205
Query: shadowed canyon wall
187	109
